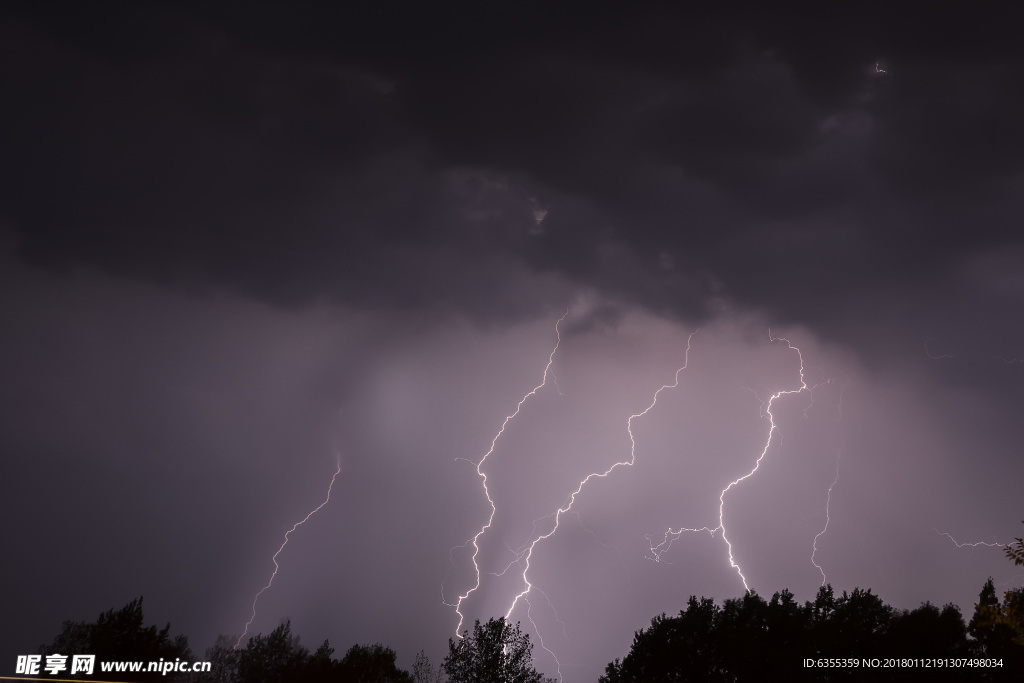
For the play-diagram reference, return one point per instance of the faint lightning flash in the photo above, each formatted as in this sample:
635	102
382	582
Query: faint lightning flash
540	638
828	503
661	548
879	69
968	545
934	357
594	475
1002	584
274	558
487	492
593	534
828	498
1003	359
557	619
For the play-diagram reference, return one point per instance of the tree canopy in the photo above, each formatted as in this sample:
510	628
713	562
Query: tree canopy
117	635
749	639
279	658
494	653
998	623
743	639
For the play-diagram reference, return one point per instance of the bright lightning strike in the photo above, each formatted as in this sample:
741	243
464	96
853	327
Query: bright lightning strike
764	452
274	558
595	475
661	548
483	477
522	557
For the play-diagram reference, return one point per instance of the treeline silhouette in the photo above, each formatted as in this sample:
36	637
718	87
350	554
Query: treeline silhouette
850	637
495	651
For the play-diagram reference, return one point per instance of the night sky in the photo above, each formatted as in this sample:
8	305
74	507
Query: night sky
241	244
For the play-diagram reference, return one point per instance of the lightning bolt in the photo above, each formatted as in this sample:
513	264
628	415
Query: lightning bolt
527	555
810	392
828	503
524	555
540	638
879	69
660	549
828	497
487	493
274	558
958	544
764	451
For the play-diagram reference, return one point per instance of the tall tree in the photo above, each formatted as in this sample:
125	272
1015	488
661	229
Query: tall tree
494	653
423	672
999	627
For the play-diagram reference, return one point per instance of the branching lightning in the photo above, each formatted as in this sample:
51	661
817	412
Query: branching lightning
487	493
274	558
622	463
540	638
557	618
527	556
546	527
671	535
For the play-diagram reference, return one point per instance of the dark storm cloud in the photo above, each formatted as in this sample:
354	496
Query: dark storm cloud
426	158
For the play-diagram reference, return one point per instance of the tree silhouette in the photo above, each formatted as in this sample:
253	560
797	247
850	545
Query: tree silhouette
929	629
274	658
120	635
999	627
495	653
748	639
371	664
278	658
1012	610
423	672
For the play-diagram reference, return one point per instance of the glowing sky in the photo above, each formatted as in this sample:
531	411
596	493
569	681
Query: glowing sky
234	248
